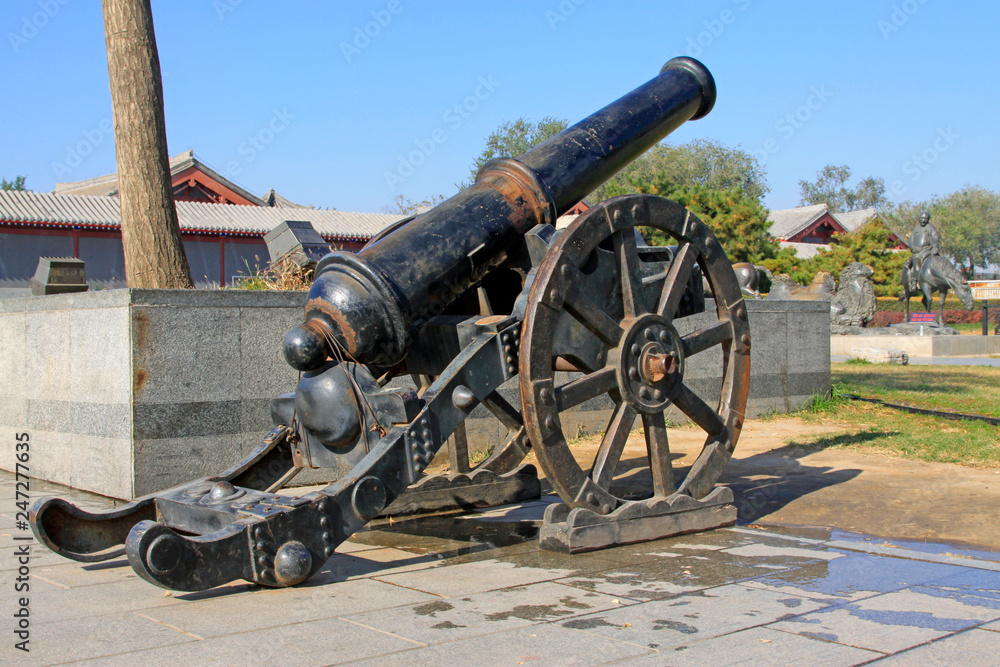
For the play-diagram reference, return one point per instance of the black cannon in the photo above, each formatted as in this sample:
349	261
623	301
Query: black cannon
473	294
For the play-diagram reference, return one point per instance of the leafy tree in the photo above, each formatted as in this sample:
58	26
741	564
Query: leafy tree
869	245
16	184
513	138
739	222
830	188
969	223
701	162
404	206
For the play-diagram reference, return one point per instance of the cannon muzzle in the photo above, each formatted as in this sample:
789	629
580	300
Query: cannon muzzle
366	306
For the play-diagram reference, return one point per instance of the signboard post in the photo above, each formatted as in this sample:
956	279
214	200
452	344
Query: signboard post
986	290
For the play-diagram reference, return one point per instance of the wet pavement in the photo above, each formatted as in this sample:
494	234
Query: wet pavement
473	589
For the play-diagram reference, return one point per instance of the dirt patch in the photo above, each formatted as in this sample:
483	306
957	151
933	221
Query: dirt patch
833	486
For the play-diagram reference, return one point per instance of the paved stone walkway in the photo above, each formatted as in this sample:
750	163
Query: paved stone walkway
474	590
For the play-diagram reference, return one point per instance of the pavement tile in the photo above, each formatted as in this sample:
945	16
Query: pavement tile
854	577
483	613
976	587
689	618
889	623
39	555
757	646
322	642
369	563
83	638
72	573
544	644
51	603
266	608
992	626
965	648
467	578
663	577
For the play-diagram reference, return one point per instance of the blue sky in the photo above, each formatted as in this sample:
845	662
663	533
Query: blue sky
323	100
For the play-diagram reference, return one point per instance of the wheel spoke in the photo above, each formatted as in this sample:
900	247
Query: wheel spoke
503	411
698	411
591	316
613	445
658	447
710	336
627	258
586	387
677	279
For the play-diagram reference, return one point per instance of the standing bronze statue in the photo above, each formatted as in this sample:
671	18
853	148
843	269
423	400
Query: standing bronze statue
926	271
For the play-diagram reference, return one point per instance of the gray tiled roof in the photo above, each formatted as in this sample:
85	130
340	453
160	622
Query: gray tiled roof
788	222
53	210
854	220
107	185
805	250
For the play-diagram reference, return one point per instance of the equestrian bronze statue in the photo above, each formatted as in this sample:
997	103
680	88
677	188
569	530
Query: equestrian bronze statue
926	271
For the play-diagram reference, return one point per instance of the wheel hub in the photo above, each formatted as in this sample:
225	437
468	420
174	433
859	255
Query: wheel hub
651	363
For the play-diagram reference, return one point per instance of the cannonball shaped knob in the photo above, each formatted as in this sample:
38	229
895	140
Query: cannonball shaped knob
292	563
305	347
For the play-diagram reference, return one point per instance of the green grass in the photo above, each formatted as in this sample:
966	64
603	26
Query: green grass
965	389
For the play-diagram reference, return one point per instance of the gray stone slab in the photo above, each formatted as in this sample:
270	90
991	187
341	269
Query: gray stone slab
970	586
185	354
51	456
262	608
102	464
47	358
890	622
484	613
966	648
758	646
80	639
12	351
264	373
543	644
327	641
467	578
160	464
683	620
156	421
99	356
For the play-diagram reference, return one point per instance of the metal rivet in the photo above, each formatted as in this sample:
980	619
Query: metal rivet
550	423
327	537
745	339
261	544
512	369
328	551
554	295
265	573
262	559
546	395
565	270
427	434
258	531
416	458
324	521
649	334
605	509
644	393
413	434
633	373
663	337
425	423
741	312
591	498
658	395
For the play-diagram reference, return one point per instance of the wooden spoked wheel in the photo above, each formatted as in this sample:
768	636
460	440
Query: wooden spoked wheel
643	354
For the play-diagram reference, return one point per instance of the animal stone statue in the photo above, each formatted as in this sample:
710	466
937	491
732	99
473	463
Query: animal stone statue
822	288
854	303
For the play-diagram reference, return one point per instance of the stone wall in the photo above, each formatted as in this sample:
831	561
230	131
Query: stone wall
125	392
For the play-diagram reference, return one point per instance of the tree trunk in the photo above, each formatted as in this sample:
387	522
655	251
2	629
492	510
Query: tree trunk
151	236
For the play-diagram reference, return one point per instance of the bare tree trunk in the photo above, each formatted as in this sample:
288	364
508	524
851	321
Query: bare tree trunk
154	253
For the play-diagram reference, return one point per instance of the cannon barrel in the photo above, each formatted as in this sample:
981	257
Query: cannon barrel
369	304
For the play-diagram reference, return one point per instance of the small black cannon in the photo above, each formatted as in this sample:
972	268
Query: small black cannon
473	294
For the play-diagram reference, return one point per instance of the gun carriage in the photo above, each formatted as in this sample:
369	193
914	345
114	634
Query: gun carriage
477	292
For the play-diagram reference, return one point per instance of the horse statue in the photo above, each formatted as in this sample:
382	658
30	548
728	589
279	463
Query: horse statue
936	274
